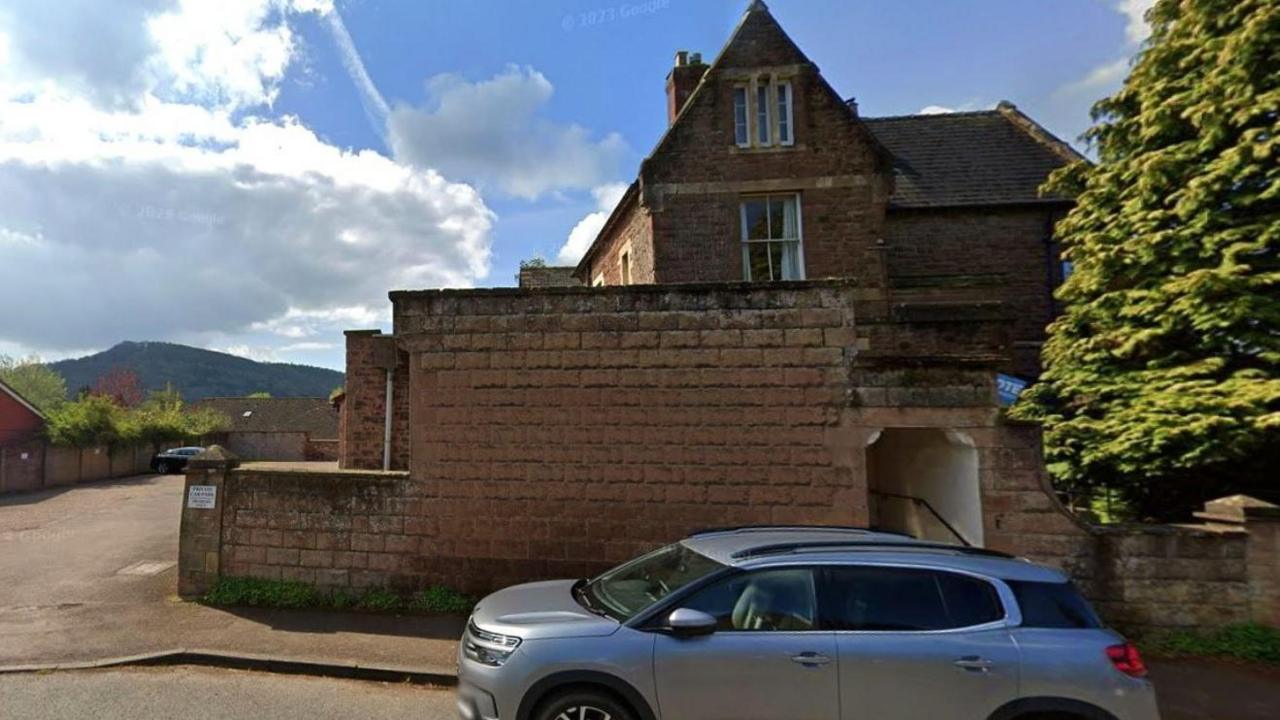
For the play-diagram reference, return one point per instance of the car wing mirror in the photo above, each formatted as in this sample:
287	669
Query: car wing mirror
687	622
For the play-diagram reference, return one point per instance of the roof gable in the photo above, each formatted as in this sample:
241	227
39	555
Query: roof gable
4	388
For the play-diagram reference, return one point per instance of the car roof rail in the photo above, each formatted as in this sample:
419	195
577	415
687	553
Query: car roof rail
837	545
853	529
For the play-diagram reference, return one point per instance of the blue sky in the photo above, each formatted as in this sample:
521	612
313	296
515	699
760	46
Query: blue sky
299	159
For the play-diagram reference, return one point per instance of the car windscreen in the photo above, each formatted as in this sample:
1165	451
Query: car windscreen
626	590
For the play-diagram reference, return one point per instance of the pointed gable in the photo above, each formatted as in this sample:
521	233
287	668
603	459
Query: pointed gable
759	50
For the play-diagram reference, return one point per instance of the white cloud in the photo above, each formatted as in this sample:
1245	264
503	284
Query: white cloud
586	230
139	200
1136	28
1106	78
492	132
936	110
1098	82
229	53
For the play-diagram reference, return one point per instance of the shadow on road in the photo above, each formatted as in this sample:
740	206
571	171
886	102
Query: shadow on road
35	496
427	627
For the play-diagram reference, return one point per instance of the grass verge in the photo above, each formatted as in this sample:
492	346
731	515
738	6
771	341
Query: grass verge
255	592
1250	642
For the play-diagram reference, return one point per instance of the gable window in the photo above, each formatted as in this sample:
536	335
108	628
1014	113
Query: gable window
763	112
741	133
784	113
771	238
624	263
762	115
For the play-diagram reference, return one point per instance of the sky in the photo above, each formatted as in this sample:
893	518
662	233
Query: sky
254	176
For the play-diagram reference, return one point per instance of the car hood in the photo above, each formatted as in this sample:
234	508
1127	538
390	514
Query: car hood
540	610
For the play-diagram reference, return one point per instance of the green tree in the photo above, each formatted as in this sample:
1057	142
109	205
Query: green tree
34	381
163	418
90	421
1161	377
160	419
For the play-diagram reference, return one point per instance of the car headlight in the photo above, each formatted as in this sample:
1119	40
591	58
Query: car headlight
488	648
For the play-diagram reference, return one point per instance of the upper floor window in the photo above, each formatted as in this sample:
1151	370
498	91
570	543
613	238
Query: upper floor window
763	128
741	132
771	238
762	113
624	266
783	91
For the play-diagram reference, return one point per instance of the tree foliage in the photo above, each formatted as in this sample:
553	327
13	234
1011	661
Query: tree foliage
96	420
121	385
88	421
1161	376
34	381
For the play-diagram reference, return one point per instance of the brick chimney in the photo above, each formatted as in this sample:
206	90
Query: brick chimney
682	80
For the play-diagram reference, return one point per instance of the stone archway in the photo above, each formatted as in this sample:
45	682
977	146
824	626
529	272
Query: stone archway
924	482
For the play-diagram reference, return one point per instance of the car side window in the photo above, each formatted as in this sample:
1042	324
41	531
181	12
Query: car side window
875	598
781	599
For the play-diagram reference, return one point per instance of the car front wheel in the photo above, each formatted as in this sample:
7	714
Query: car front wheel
162	468
585	704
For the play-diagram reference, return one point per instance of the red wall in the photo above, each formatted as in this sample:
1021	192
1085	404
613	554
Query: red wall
17	423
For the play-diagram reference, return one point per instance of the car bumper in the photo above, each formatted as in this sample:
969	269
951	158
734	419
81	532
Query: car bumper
475	703
486	692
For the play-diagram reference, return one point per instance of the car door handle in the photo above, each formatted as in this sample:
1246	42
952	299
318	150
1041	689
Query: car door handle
810	659
973	663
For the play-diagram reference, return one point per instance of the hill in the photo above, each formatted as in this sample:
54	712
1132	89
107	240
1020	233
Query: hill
198	373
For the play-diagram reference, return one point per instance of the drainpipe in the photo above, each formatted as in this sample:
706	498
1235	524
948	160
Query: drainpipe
386	424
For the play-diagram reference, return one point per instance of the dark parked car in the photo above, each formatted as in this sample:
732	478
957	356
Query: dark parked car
174	459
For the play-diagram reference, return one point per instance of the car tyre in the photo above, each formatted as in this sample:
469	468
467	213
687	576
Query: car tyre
162	468
583	704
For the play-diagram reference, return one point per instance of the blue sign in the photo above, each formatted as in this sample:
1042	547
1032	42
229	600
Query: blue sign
1008	388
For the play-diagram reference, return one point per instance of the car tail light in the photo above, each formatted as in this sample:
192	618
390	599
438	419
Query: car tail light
1127	660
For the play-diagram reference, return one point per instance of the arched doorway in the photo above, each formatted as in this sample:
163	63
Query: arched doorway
924	482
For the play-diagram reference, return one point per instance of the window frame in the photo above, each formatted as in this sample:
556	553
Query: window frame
763	125
746	242
1011	617
745	89
791	126
624	265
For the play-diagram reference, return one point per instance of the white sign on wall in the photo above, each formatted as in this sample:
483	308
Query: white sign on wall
202	497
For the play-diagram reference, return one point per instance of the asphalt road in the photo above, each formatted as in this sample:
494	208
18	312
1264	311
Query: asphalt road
79	562
212	694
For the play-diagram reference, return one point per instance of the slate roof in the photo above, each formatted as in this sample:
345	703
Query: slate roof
992	157
314	416
549	276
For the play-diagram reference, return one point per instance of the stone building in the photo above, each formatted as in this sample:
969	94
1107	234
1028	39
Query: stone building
277	428
718	364
793	314
765	173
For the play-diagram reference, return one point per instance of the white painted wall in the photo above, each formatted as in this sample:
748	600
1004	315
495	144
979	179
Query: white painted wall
937	465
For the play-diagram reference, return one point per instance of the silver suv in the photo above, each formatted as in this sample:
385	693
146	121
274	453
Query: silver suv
800	623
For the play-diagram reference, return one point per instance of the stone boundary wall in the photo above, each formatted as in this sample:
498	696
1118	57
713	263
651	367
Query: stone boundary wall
556	432
49	466
1170	576
344	529
334	529
320	451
